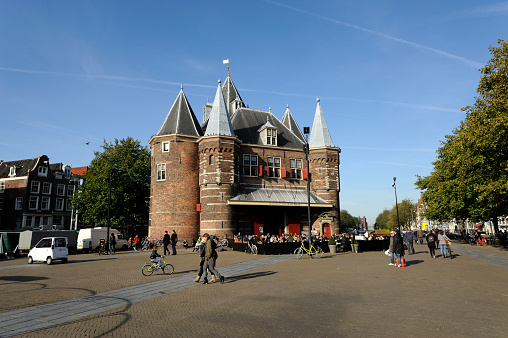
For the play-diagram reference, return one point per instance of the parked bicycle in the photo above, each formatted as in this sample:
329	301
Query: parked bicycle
150	268
252	248
312	251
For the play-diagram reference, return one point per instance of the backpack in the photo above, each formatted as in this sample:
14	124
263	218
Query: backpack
431	238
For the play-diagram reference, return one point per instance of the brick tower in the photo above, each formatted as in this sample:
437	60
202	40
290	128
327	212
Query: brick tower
174	188
218	163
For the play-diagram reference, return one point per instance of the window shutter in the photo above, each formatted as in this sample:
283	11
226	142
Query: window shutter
260	170
283	172
198	207
304	174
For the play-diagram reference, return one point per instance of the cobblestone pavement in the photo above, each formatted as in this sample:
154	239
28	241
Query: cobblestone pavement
340	295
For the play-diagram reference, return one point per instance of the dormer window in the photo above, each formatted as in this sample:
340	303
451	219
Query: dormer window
268	133
12	171
271	136
67	171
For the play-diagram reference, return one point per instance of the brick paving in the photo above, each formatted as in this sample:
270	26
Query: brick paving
341	295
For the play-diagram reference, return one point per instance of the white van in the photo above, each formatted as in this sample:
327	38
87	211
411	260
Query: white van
90	239
49	249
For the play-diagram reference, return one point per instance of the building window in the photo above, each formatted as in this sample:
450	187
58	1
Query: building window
57	220
45	203
19	203
46	188
43	171
34	189
12	171
67	172
250	165
44	220
70	190
28	222
60	190
2	187
211	160
33	202
296	168
161	172
68	205
273	166
1	202
165	146
59	204
271	136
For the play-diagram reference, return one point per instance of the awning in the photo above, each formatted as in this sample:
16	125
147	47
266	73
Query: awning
277	197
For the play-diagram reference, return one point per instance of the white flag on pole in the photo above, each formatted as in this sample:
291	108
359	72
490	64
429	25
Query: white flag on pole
225	61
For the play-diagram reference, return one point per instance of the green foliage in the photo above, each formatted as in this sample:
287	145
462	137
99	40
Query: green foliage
388	218
347	221
331	241
470	175
382	219
129	165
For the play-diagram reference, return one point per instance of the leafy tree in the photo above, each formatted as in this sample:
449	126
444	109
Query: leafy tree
347	221
382	219
128	163
470	175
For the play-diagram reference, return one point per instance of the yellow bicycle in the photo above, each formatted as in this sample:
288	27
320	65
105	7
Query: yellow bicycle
312	252
149	268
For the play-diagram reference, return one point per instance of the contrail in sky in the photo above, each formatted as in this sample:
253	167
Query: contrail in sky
381	34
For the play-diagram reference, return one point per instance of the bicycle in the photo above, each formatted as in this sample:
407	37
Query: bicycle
149	268
222	243
252	248
312	252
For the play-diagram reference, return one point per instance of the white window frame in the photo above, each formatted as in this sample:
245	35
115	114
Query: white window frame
35	187
59	204
19	203
45	202
42	171
161	171
30	202
60	190
68	205
271	136
273	164
46	188
165	147
70	190
296	166
250	167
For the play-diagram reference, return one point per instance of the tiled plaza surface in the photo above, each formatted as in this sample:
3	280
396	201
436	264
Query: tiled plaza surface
340	295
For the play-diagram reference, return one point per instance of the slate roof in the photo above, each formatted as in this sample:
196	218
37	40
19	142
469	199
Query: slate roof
275	196
23	166
320	135
291	124
230	93
246	123
181	119
219	122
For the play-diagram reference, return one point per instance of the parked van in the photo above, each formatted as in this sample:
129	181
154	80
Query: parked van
49	249
90	239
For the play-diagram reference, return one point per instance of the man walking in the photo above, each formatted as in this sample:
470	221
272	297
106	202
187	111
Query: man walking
174	240
209	255
166	240
409	239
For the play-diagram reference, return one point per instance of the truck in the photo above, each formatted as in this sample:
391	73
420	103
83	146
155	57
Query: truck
89	239
29	238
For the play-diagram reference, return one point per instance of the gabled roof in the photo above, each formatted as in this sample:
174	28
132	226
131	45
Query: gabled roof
230	93
291	124
181	119
219	122
320	135
79	170
23	166
246	123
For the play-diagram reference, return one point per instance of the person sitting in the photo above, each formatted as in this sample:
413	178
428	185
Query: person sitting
185	244
154	256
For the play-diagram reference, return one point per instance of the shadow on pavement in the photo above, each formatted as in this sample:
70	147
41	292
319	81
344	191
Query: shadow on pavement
22	278
414	262
249	276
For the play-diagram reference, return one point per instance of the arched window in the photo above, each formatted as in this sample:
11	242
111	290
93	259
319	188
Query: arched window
211	159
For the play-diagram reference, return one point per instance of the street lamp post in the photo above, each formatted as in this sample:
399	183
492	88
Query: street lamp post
396	204
109	206
306	132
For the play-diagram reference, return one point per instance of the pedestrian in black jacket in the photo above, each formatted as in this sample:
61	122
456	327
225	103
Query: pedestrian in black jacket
166	240
398	247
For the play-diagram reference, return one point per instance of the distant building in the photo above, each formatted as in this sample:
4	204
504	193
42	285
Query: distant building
363	223
35	193
241	170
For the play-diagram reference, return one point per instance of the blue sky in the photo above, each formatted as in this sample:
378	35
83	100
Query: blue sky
392	76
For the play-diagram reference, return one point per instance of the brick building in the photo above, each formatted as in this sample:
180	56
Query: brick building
35	193
241	170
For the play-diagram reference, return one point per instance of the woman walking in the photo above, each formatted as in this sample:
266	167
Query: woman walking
209	254
442	238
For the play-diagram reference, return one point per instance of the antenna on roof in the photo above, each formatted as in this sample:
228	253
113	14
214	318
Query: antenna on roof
226	62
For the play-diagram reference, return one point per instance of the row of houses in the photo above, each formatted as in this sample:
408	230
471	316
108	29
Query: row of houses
35	193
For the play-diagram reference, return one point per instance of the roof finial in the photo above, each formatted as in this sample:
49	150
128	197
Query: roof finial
181	85
287	105
219	81
226	62
317	100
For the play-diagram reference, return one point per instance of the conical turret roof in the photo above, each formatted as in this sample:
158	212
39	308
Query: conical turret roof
231	93
219	122
181	119
320	135
291	124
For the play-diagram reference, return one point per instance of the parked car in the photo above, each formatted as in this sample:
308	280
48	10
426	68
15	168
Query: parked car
451	235
49	249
